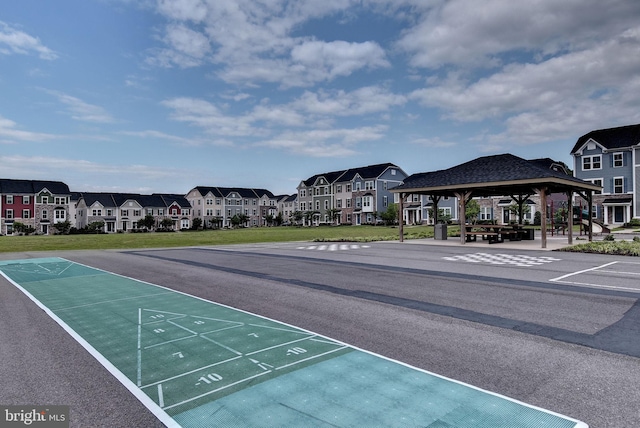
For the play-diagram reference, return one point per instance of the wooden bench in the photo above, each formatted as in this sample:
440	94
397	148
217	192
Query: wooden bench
513	235
492	237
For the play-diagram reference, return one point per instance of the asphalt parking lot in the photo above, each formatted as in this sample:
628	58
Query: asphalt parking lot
555	330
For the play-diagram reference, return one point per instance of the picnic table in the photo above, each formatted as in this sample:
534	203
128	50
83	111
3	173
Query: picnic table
496	233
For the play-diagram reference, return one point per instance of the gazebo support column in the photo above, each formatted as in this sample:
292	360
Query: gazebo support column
401	217
542	192
570	216
462	215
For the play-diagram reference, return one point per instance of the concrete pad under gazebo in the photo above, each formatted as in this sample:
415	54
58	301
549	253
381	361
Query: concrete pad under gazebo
497	175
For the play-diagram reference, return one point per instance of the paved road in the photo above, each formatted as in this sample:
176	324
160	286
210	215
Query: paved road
490	317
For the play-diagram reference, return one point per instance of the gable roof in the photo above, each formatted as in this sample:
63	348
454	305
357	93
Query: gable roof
104	199
369	171
611	138
495	175
9	186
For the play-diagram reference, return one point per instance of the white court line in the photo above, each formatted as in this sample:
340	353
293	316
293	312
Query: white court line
560	278
160	395
189	372
312	357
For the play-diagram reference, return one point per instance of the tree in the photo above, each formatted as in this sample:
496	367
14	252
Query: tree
167	223
95	227
296	217
197	223
472	210
309	215
22	228
334	214
390	216
62	227
147	222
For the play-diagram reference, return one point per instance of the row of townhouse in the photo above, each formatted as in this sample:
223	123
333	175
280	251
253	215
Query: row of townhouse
351	196
33	203
217	206
607	157
121	212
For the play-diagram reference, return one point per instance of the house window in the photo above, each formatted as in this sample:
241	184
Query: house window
393	172
8	214
109	212
26	200
618	185
160	212
97	213
348	186
485	213
385	201
348	202
339	188
25	214
125	213
338	203
45	214
60	214
60	200
358	202
136	213
326	204
591	162
618	160
317	205
597	182
45	199
368	185
9	199
358	184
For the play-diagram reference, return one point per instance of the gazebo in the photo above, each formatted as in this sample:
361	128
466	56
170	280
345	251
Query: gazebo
497	175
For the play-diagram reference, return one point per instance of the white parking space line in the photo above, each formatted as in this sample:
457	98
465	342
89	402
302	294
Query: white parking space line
600	270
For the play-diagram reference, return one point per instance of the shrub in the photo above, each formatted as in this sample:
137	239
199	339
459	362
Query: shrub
609	238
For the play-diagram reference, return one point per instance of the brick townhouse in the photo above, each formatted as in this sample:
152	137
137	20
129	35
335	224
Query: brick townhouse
34	203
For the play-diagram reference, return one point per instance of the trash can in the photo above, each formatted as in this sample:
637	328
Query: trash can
440	231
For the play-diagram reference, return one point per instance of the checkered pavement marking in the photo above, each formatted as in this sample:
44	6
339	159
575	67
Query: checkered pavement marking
333	247
503	259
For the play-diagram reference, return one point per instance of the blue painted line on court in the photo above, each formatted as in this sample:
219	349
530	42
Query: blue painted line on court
195	363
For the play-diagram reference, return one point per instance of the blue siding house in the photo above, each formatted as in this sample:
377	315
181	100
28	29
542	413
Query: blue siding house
611	158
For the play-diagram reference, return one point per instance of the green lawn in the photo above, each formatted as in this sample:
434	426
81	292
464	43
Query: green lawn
210	237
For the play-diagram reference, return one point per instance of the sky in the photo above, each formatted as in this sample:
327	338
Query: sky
164	95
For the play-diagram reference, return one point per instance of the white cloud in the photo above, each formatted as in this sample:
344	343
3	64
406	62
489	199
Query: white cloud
121	178
327	60
82	111
253	42
324	142
9	133
14	41
463	33
550	99
362	101
209	117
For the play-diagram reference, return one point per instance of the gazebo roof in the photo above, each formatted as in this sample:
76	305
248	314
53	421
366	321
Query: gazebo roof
495	175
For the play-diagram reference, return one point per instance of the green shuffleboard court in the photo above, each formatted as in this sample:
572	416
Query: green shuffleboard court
195	363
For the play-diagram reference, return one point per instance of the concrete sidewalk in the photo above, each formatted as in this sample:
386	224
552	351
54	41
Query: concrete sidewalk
553	242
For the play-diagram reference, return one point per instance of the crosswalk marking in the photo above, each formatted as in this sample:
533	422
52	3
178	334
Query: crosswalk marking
503	259
333	247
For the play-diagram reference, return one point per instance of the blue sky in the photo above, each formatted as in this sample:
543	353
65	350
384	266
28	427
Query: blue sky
161	96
